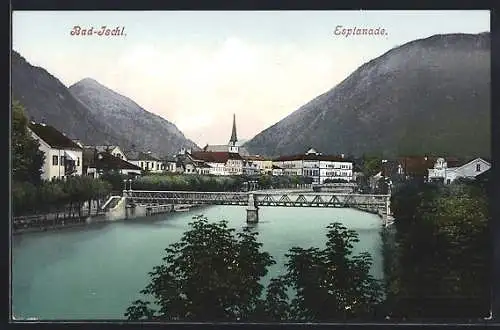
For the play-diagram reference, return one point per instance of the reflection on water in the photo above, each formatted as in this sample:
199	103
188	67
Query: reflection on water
95	272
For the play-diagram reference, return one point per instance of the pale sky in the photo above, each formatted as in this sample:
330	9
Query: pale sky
196	69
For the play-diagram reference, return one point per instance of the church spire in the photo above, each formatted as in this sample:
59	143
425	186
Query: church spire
233	133
233	147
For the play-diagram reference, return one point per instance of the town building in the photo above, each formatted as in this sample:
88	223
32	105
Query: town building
250	167
113	150
447	172
228	162
264	165
96	163
277	171
170	164
63	157
147	161
220	163
237	148
317	166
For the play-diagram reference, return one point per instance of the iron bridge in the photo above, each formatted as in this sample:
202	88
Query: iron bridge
290	199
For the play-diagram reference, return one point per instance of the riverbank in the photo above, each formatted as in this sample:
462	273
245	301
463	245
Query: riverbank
51	226
24	225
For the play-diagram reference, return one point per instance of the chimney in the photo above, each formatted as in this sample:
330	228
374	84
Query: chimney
342	156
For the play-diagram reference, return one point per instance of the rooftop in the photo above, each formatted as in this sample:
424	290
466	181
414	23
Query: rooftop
139	155
53	137
312	157
215	157
94	158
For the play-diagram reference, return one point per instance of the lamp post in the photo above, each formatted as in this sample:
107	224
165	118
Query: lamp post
130	184
124	186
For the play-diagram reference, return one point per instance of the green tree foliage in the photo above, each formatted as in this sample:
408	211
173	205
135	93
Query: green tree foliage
51	196
195	182
213	274
332	284
27	159
441	263
371	165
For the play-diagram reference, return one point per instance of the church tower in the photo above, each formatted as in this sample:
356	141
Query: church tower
233	148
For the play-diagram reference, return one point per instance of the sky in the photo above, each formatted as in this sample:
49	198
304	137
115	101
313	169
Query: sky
198	68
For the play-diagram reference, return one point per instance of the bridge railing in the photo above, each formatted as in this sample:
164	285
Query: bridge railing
264	198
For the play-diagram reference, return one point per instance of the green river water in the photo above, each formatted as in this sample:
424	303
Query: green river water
96	271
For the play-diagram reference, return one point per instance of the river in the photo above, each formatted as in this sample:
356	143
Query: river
96	271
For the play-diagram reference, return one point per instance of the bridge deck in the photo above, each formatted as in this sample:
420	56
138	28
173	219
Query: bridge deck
290	199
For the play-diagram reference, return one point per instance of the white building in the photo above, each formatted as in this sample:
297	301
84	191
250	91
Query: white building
277	171
471	169
113	150
170	164
146	161
63	157
250	167
228	162
317	166
220	163
265	166
96	163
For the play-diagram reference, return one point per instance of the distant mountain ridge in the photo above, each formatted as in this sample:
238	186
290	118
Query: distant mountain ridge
429	96
85	114
147	130
47	100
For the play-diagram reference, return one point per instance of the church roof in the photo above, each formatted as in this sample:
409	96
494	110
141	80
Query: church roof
215	157
225	148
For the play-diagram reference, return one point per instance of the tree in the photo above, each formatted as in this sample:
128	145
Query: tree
210	275
372	165
214	275
27	158
441	264
332	284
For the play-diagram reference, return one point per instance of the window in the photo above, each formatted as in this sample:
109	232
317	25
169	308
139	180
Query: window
478	167
157	166
55	160
78	161
147	165
142	164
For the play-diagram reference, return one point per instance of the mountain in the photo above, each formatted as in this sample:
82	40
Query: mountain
145	129
91	112
430	96
47	100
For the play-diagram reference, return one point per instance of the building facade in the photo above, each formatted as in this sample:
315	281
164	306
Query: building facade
317	166
146	161
116	151
97	163
442	172
63	157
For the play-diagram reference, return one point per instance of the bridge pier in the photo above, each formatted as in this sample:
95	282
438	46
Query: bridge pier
252	210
